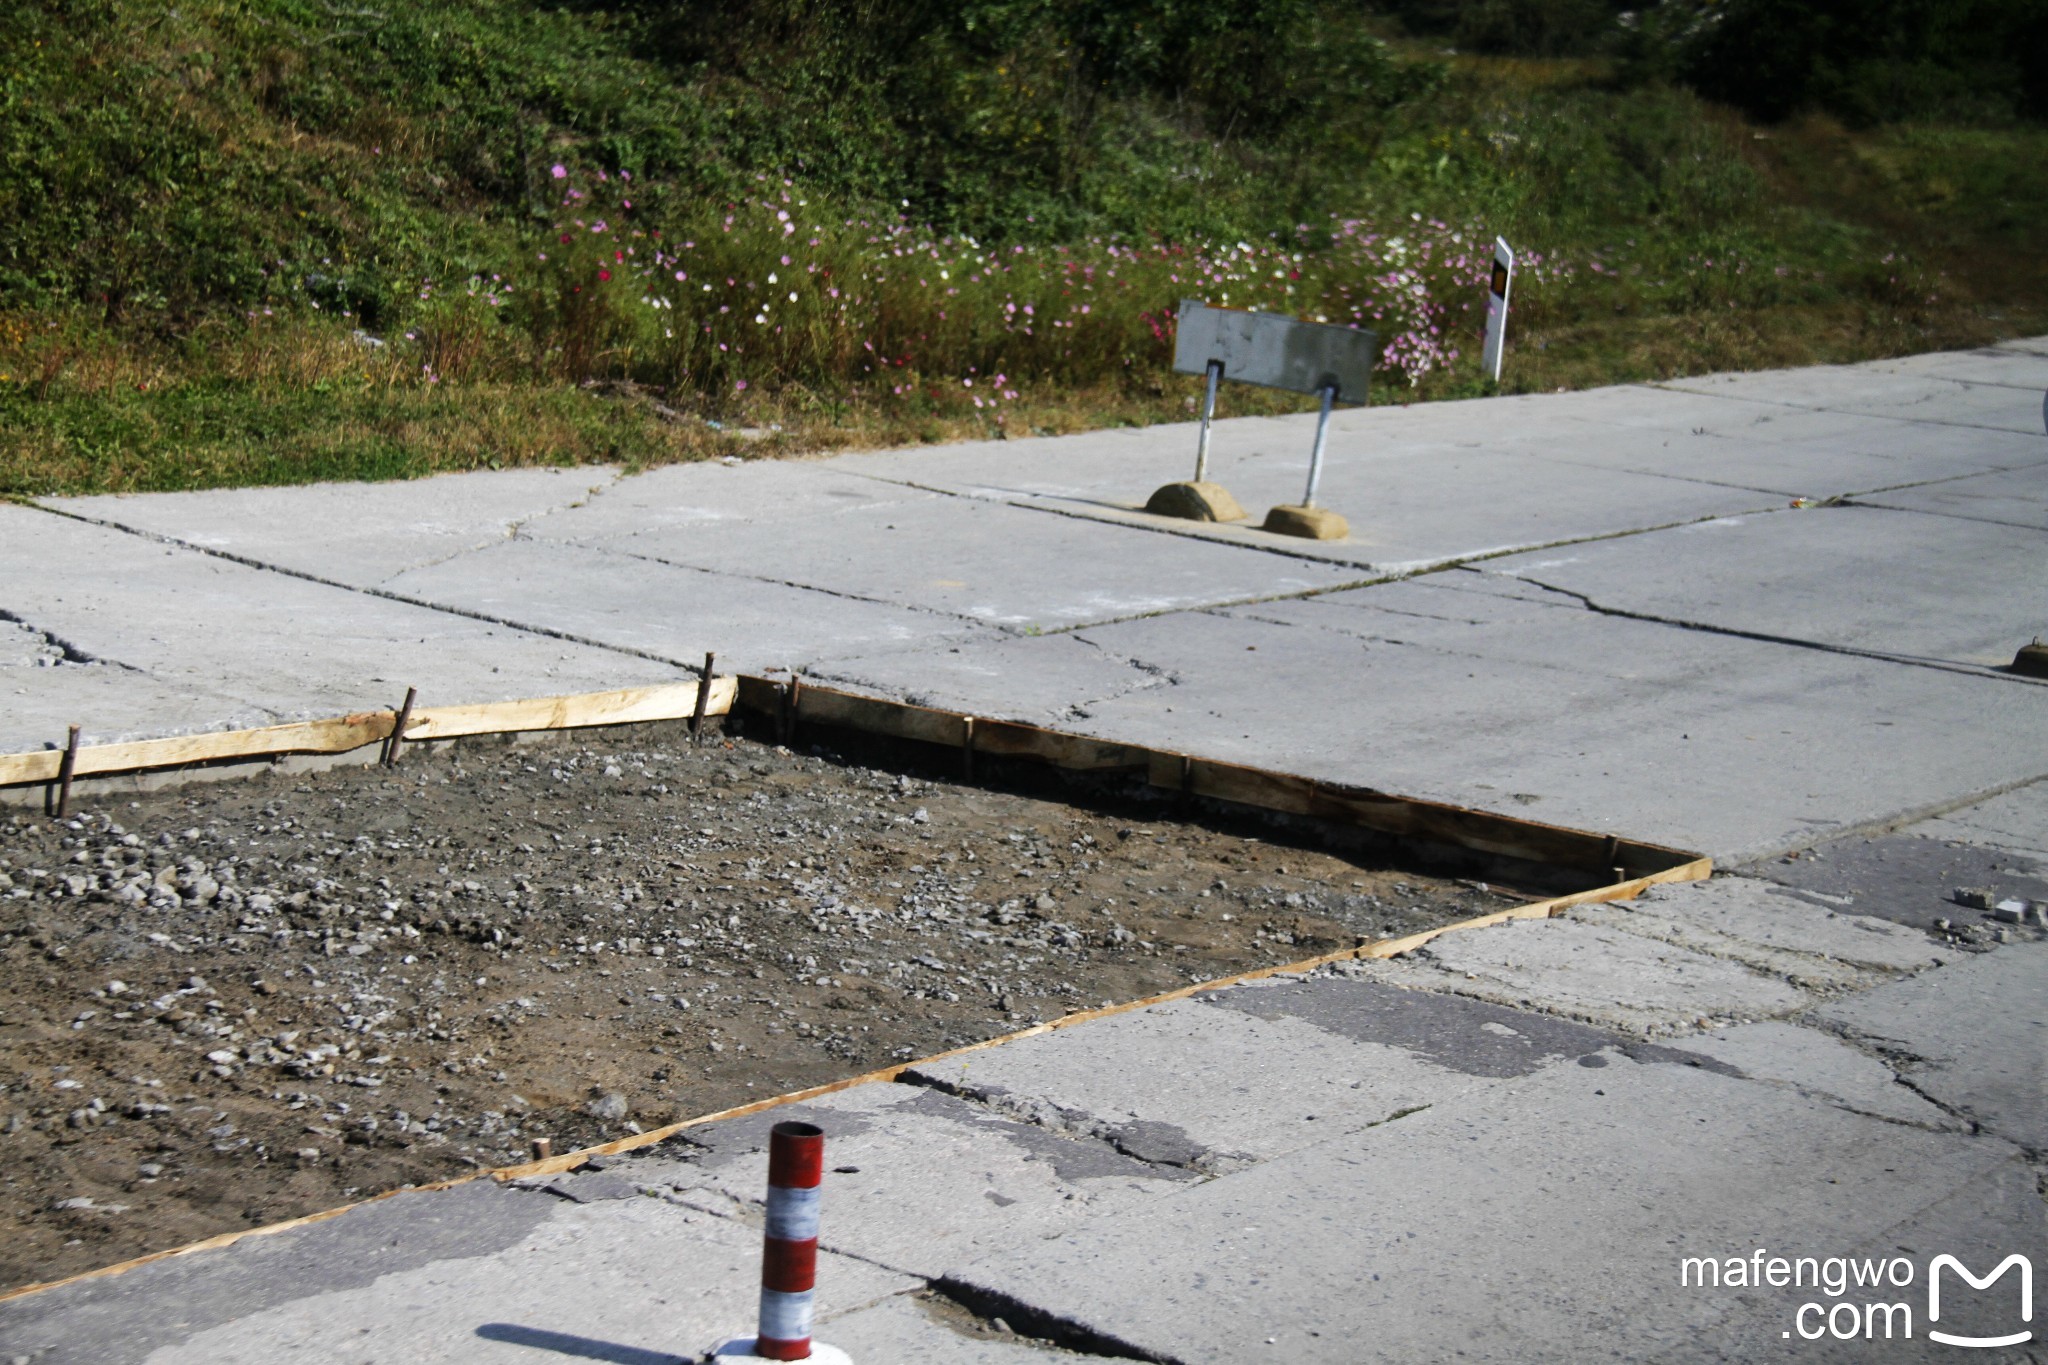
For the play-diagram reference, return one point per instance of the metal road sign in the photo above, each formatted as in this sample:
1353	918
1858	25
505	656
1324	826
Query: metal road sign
1274	350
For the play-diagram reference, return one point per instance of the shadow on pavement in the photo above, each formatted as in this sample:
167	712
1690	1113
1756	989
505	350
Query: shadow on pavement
582	1348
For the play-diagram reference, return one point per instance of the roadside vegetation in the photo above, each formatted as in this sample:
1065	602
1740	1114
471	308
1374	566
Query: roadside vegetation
271	241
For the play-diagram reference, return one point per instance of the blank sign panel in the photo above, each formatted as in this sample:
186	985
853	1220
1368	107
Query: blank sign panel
1274	350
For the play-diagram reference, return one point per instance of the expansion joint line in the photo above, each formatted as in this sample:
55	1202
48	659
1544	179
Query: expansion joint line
1766	637
1838	412
386	594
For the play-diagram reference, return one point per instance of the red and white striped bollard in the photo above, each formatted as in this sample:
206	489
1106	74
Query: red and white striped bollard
789	1253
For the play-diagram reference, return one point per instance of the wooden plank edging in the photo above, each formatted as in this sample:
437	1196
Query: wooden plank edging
341	734
1404	817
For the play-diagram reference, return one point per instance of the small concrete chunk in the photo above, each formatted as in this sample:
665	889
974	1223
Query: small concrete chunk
1907	878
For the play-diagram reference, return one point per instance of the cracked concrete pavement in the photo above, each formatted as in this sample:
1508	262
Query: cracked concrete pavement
1595	609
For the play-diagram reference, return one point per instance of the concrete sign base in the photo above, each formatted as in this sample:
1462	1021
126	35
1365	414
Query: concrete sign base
1311	523
1197	501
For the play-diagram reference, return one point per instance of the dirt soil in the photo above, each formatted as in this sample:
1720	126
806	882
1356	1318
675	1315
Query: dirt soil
228	1004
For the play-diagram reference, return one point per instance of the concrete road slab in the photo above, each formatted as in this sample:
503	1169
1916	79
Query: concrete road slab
124	1318
987	562
1542	1220
1548	710
1597	975
1078	675
1856	577
807	497
1792	452
2006	365
1756	922
636	1281
360	534
38	702
1977	1034
1410	502
283	648
1200	1087
1817	1063
920	1181
2016	821
669	611
2013	497
1857	389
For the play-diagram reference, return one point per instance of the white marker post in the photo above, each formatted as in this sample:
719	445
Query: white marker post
1497	306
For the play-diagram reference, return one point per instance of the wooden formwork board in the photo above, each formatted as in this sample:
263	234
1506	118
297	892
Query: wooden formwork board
1401	817
343	734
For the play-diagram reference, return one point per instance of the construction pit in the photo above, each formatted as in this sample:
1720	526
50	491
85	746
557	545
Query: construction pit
226	1004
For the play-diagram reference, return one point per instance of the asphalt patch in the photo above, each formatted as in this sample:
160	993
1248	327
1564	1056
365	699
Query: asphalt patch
1905	878
1458	1034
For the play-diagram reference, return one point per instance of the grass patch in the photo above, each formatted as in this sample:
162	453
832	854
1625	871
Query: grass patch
269	242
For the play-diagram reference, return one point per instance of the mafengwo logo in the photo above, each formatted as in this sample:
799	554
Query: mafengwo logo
1881	1312
2015	1261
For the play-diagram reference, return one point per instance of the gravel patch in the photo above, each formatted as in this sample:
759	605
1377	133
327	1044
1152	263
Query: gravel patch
229	1004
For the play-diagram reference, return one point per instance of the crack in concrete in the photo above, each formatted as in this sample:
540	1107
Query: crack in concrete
1769	638
1044	1324
436	561
949	1313
842	594
1831	500
1894	1059
517	529
66	650
1168	1150
513	530
1749	954
1747	860
1934	512
1150	676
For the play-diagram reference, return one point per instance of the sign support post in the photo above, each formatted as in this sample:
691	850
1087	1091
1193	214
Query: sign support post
1215	381
1307	519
